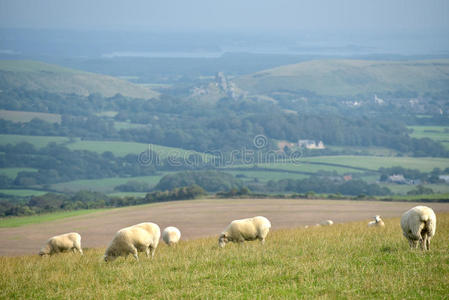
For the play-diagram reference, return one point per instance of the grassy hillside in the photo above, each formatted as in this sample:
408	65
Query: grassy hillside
33	75
351	77
342	261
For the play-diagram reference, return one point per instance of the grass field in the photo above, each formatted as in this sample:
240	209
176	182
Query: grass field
402	189
12	172
21	221
104	185
424	164
343	261
116	147
22	192
436	133
127	125
264	175
351	163
37	141
26	116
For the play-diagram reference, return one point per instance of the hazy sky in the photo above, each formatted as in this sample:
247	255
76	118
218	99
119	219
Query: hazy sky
229	15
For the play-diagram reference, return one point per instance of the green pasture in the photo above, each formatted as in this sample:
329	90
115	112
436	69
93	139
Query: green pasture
22	192
37	141
344	261
26	116
424	164
437	133
104	185
12	172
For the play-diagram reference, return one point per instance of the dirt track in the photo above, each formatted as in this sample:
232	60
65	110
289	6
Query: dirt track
198	218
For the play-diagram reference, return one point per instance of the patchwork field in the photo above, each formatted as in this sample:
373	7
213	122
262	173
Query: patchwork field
347	260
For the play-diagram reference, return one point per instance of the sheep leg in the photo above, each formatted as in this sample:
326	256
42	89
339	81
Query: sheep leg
152	251
134	252
147	251
413	243
77	246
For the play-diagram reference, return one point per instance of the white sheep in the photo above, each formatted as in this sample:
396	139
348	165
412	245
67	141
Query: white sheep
61	243
419	225
378	222
245	230
143	237
171	235
326	223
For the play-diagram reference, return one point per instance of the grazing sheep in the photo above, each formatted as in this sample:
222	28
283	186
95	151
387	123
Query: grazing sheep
378	222
61	243
143	237
245	230
419	225
171	235
326	223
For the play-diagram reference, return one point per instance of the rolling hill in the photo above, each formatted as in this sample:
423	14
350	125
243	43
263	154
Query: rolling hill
33	75
351	77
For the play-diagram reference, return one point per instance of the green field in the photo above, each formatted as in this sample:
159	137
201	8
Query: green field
12	172
264	175
402	189
424	164
26	220
117	148
37	141
345	261
350	163
26	116
104	185
22	192
124	148
128	194
127	125
436	133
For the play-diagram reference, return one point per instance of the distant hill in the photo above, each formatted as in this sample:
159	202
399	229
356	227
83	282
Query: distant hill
351	77
33	75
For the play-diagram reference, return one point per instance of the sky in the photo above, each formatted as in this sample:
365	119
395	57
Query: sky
230	15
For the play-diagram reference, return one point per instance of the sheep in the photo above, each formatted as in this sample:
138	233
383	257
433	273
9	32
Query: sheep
378	222
143	237
326	223
419	225
245	230
61	243
171	235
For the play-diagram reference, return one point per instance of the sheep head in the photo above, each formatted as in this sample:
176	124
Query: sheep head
222	240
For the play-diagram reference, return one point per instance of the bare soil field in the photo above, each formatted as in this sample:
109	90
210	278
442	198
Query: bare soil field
199	218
